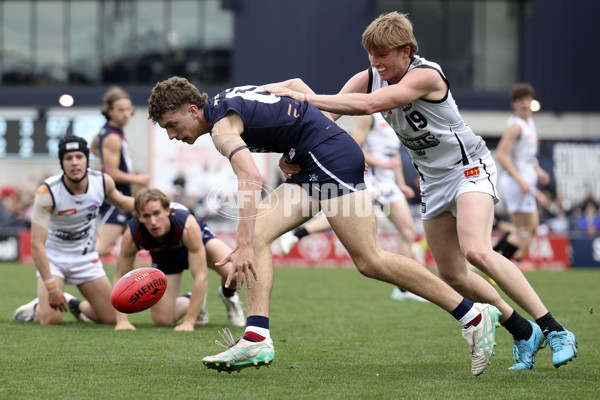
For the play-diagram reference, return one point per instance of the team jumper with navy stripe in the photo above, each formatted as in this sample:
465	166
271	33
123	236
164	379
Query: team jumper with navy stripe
433	132
273	124
169	254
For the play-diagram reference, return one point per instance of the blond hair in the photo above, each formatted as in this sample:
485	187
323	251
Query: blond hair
172	95
145	195
110	97
390	31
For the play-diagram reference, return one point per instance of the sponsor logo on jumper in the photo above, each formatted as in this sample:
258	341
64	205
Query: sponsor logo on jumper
425	141
407	107
94	206
71	236
70	211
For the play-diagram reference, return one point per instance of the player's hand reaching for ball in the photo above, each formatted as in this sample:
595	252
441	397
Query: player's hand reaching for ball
242	265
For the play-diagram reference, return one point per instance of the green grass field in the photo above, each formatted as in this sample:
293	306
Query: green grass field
337	335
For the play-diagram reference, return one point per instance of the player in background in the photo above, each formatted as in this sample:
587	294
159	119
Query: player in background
516	153
113	149
385	181
176	241
457	178
63	240
248	117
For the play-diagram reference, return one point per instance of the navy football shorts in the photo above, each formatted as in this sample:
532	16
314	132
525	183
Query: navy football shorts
333	168
112	215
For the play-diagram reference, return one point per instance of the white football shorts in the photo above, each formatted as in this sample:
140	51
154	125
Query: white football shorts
438	197
514	200
75	271
384	192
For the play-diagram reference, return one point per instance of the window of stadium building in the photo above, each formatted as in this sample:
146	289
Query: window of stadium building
52	42
476	42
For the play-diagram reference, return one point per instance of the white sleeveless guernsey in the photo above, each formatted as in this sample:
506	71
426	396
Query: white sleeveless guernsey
433	132
72	228
523	155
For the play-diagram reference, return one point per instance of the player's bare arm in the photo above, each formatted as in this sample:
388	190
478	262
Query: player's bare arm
298	85
111	157
418	83
225	136
543	176
95	146
116	198
361	129
505	147
192	240
125	263
408	191
42	209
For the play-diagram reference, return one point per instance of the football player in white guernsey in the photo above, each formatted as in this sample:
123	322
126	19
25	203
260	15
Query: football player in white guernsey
385	181
457	178
248	117
516	153
63	240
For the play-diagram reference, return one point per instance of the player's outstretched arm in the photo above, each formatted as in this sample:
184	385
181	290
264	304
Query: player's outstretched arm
226	138
297	85
116	198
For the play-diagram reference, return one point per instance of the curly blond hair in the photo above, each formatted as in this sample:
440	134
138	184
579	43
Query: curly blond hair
173	94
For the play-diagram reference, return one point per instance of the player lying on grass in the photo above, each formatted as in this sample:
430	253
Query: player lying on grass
176	241
63	240
332	178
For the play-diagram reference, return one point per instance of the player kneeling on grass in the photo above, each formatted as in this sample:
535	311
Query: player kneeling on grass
63	240
176	241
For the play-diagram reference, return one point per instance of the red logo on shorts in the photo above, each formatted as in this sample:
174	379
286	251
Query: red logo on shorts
472	172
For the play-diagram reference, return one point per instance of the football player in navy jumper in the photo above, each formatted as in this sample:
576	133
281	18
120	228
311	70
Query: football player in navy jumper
111	145
457	178
177	241
248	118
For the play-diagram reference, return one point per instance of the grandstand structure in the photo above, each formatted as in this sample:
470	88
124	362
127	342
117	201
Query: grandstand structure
49	48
